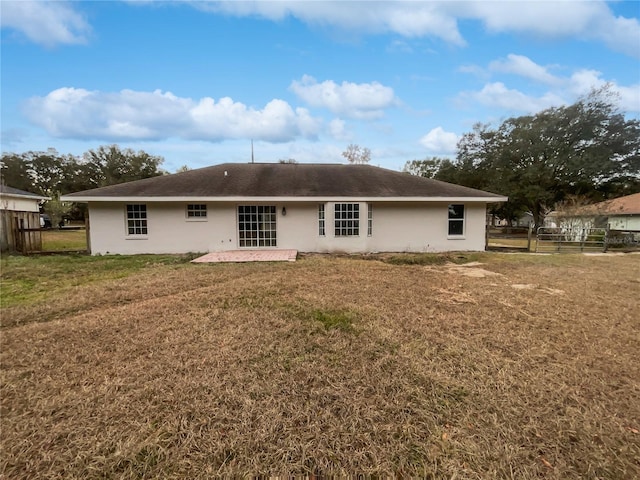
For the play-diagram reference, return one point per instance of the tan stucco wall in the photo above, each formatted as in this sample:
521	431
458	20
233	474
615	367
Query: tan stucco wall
397	227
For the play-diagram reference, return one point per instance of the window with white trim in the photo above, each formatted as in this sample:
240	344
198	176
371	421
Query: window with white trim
347	219
257	225
456	219
321	220
369	219
137	219
196	210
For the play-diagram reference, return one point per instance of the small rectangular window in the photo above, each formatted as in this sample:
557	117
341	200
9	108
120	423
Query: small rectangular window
456	220
196	210
347	219
137	219
369	219
321	220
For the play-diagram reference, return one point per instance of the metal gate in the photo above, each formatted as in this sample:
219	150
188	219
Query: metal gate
561	239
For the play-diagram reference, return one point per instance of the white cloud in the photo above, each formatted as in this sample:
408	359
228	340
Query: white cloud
498	95
52	23
440	142
337	129
351	100
583	81
399	46
409	19
476	70
542	18
128	114
563	89
525	67
46	23
587	19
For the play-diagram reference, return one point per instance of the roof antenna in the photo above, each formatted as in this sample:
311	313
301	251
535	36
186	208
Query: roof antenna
252	150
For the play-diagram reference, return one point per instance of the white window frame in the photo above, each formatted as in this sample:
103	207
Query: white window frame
369	219
257	226
196	211
321	220
137	220
346	219
454	218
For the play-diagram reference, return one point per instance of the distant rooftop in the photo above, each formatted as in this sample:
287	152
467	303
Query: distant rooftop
16	192
628	205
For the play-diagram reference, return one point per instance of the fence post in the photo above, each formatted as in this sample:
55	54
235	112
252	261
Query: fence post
16	235
87	231
606	239
22	236
486	237
529	233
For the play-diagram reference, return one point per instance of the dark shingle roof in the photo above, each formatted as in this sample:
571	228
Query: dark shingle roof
286	180
16	192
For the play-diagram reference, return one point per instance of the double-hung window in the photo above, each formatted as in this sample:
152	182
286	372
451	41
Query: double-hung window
347	219
369	219
196	210
137	219
456	220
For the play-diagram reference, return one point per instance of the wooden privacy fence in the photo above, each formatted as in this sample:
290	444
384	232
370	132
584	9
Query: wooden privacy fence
20	231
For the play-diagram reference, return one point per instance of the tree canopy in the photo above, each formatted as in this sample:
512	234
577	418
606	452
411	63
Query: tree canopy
357	154
53	174
588	149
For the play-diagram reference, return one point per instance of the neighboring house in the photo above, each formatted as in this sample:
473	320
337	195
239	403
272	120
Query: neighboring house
17	207
15	200
523	221
307	207
621	213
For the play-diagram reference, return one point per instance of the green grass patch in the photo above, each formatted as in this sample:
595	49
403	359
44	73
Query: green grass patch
29	279
511	242
433	258
334	319
60	240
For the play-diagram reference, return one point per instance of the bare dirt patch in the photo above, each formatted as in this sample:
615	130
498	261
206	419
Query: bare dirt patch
471	269
532	286
328	366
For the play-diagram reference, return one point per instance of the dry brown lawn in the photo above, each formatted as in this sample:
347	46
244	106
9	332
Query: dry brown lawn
521	367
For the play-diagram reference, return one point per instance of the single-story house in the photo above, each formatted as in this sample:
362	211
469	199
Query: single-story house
17	207
622	213
306	207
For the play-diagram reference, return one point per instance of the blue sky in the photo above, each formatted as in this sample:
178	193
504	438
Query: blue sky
196	81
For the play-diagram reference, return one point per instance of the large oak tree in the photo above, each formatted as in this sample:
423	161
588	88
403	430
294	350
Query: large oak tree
588	149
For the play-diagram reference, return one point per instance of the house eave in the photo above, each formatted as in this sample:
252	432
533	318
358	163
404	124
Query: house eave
280	199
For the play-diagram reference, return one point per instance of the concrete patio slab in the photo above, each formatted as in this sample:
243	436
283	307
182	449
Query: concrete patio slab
248	256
